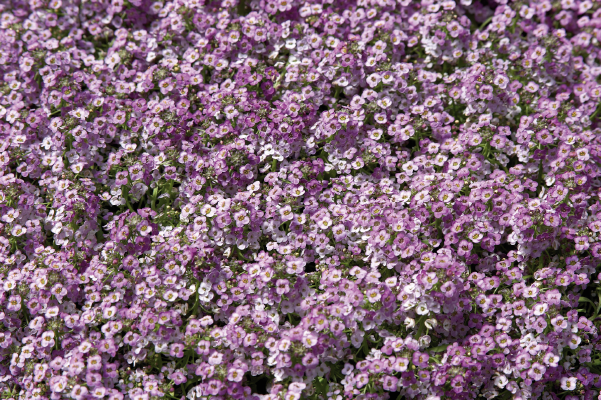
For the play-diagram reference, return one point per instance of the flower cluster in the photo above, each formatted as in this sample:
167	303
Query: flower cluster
285	199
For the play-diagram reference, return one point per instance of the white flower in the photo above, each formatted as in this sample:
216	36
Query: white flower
500	381
205	287
254	187
57	228
431	323
422	309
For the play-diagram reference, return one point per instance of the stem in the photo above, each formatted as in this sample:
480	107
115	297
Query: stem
126	196
155	194
485	23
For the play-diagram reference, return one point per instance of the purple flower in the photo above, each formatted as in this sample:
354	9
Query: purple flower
390	383
18	230
79	392
14	303
282	286
420	359
309	360
272	183
235	374
176	350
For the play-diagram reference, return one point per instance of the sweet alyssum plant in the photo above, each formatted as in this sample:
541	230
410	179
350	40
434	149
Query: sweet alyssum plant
291	199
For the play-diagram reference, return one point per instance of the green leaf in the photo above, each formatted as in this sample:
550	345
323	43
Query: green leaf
585	300
439	349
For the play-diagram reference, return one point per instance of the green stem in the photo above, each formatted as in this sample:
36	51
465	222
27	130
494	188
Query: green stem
155	194
485	23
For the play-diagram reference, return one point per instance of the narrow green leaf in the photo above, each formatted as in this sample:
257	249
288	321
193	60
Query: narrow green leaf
439	349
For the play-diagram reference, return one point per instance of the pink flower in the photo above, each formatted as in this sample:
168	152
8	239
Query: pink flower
79	392
235	374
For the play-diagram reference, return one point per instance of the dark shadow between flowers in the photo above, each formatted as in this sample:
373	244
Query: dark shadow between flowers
310	267
258	383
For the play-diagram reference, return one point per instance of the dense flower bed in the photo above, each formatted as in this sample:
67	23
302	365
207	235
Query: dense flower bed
282	199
